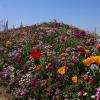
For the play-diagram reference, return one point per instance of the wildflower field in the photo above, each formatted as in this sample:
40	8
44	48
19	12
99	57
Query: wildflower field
50	61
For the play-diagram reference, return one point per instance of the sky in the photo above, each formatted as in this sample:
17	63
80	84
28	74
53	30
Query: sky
84	14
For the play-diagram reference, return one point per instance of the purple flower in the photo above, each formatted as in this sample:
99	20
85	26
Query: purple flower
98	40
2	74
98	94
1	49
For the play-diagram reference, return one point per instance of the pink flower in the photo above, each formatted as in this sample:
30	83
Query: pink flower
68	49
80	48
41	33
88	42
37	68
17	57
74	60
98	94
22	92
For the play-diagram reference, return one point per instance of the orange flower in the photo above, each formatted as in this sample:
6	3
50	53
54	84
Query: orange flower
95	58
87	62
98	60
74	79
92	59
61	70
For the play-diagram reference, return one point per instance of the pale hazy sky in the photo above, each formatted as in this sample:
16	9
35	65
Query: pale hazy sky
80	13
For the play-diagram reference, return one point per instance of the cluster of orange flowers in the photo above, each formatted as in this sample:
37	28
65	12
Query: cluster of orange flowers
92	59
62	71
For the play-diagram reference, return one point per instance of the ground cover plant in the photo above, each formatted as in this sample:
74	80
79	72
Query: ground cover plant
50	61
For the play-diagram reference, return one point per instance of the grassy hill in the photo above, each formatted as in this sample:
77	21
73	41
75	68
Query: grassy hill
50	61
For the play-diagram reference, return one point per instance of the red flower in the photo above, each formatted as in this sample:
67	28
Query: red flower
36	54
86	78
82	53
92	82
81	93
23	36
98	47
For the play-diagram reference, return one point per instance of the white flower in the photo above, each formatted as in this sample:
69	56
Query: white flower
28	74
12	68
93	96
88	73
94	67
85	94
54	52
28	62
46	66
27	81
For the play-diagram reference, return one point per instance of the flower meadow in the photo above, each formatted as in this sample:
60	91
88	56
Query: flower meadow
50	61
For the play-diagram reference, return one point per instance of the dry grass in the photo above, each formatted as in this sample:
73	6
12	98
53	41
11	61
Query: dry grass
4	95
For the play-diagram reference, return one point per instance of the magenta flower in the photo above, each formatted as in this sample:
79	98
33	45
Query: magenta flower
80	48
98	94
51	65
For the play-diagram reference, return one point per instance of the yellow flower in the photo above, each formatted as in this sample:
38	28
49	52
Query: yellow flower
61	70
84	61
87	51
74	79
8	43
